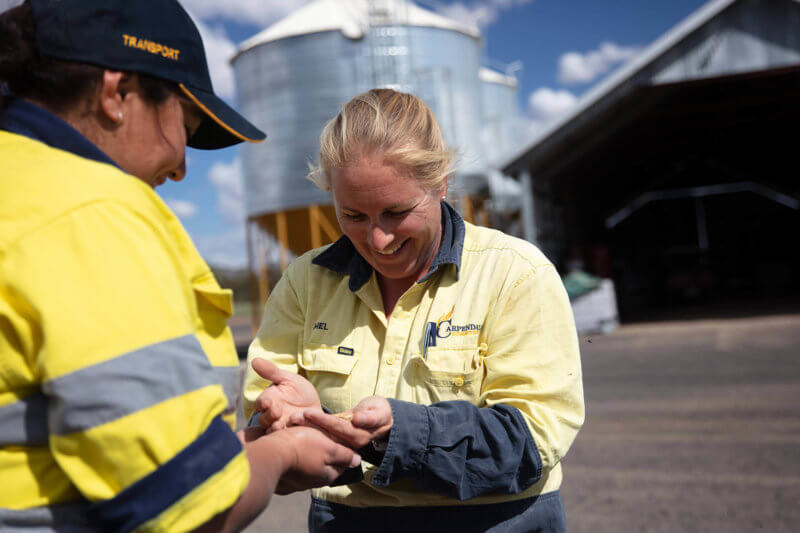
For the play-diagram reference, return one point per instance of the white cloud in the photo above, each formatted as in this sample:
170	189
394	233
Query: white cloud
252	12
228	181
226	249
481	13
219	51
184	209
545	104
574	67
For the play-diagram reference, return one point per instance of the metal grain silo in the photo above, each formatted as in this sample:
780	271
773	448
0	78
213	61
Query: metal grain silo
294	76
501	114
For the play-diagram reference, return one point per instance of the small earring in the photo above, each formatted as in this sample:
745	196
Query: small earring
119	116
444	197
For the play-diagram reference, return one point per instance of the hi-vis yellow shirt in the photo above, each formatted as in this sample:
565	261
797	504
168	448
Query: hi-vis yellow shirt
494	331
118	374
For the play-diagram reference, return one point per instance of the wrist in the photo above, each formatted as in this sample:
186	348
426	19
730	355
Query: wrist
272	452
285	450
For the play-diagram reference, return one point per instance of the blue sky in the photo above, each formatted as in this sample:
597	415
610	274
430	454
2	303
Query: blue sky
565	47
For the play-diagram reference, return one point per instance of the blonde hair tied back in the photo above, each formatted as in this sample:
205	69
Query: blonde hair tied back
397	126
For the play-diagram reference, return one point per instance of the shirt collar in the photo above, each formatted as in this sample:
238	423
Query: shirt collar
342	257
24	118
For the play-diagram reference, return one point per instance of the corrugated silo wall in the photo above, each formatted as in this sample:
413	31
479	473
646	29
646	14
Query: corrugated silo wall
500	120
446	67
293	86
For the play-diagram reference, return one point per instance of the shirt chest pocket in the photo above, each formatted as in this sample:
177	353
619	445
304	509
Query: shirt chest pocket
449	374
330	371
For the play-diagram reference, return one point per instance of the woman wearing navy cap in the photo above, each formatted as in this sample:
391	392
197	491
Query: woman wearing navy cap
118	374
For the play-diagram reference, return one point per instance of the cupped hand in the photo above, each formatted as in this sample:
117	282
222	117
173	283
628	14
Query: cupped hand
313	459
289	393
370	420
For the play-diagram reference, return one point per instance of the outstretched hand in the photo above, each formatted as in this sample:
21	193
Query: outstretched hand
288	394
370	420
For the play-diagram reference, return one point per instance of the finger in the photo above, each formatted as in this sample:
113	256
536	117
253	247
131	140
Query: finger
372	419
341	430
265	420
334	473
271	423
270	416
355	461
372	412
326	422
343	457
263	402
368	419
276	411
270	371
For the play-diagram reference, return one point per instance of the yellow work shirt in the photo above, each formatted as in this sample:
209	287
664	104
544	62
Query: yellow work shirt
119	374
503	334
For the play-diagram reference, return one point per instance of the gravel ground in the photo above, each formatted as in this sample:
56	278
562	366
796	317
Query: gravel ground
691	426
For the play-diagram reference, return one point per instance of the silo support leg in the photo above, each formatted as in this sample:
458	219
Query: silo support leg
484	216
263	280
330	231
466	208
283	239
313	223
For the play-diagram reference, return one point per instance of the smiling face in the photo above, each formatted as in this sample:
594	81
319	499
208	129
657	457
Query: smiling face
155	138
393	221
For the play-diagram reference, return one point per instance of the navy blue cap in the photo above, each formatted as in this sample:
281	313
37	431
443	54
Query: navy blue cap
152	37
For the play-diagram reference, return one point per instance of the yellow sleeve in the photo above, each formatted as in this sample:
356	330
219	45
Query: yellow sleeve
533	362
279	338
134	404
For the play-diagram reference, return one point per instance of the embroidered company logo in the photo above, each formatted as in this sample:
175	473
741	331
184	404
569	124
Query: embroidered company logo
444	328
444	324
149	46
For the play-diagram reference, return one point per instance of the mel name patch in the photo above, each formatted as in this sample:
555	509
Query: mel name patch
345	351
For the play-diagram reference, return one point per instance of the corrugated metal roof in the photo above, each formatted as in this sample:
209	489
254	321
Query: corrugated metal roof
626	74
352	18
492	76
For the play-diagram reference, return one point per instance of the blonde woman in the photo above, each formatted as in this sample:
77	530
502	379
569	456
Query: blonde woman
448	351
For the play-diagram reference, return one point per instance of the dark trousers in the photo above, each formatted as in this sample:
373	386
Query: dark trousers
543	514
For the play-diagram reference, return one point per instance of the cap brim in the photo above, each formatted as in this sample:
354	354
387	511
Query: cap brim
222	126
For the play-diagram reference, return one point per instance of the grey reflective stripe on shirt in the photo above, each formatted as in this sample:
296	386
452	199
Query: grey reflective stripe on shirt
24	422
69	517
118	387
230	377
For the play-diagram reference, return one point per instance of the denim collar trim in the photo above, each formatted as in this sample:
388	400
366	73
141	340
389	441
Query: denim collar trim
342	257
30	120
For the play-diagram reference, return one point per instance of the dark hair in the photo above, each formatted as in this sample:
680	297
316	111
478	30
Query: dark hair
59	85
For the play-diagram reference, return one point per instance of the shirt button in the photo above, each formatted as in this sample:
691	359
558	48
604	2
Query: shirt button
390	361
458	381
